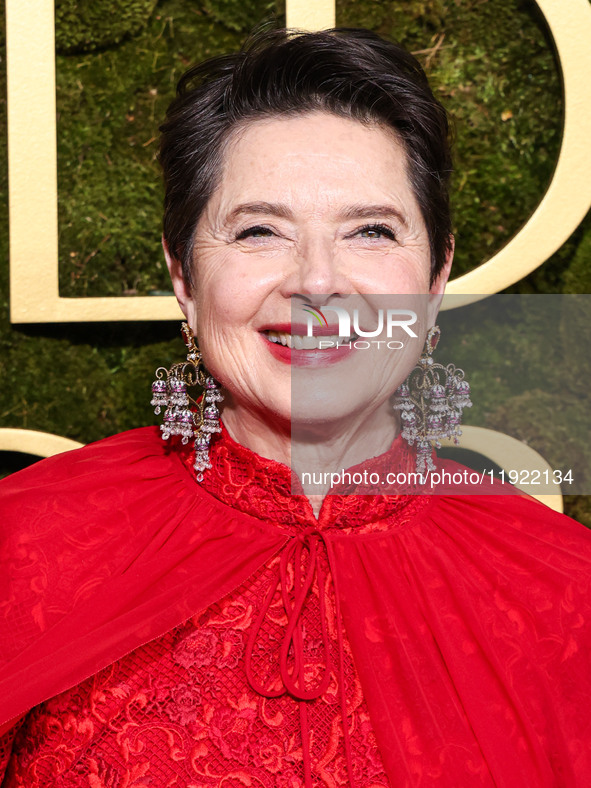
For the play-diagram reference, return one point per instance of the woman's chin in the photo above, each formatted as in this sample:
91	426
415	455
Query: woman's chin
323	414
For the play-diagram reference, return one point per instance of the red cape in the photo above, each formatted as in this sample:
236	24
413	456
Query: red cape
468	622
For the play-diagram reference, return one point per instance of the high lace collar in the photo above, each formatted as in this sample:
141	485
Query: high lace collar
262	488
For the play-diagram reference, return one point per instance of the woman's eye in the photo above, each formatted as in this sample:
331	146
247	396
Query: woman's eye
254	232
376	231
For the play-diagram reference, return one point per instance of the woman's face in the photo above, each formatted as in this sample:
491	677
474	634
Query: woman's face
313	209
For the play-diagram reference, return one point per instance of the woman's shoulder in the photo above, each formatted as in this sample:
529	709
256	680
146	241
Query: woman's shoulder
497	511
134	455
514	531
143	440
118	484
70	521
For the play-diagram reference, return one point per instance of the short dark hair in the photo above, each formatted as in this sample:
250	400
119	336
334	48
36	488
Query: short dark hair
348	72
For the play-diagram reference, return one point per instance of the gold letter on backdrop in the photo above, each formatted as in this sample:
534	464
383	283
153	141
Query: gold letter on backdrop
40	444
34	291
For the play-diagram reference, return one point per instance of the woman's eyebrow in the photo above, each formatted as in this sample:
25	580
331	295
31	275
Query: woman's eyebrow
274	209
363	211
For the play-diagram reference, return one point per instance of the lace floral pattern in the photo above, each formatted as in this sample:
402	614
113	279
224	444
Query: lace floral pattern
179	711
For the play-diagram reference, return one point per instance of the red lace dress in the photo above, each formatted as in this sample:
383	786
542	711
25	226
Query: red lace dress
381	617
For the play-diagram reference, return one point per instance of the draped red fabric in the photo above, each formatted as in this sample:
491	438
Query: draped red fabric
467	617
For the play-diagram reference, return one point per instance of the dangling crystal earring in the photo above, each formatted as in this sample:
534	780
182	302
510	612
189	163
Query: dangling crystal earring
431	408
169	391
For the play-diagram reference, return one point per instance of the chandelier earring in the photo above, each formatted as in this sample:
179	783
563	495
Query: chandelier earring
183	415
431	402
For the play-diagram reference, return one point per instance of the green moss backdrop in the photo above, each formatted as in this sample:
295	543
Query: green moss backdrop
492	64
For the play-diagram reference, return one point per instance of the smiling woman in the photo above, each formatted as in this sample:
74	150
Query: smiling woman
181	614
282	230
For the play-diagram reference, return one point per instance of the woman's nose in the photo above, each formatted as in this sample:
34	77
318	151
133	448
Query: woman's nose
318	271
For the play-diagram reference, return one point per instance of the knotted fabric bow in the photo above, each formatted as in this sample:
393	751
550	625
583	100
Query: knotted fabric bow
310	540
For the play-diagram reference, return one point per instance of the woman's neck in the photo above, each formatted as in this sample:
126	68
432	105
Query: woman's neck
314	451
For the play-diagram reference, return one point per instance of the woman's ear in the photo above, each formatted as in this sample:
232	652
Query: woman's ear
182	289
437	289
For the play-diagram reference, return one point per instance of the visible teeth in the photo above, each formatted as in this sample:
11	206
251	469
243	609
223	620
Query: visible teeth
298	342
324	343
